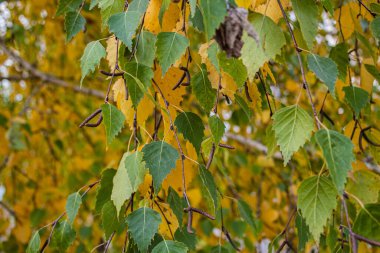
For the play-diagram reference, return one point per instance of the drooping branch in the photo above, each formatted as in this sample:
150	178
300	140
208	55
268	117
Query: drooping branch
34	73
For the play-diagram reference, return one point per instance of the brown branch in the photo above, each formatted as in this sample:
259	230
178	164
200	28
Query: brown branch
298	50
47	78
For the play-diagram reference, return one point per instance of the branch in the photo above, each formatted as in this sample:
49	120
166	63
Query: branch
34	73
251	144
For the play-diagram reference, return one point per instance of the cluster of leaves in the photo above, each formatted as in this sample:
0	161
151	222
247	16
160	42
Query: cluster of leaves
179	116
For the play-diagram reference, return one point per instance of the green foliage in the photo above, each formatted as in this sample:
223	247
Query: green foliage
367	222
136	72
375	28
176	204
170	47
213	13
325	69
146	49
339	55
232	66
202	89
104	191
292	126
170	247
191	126
365	185
63	236
34	243
252	62
92	55
316	200
338	153
209	188
217	128
65	6
73	203
113	121
302	232
128	177
246	214
124	24
356	97
143	225
109	219
74	23
160	158
307	15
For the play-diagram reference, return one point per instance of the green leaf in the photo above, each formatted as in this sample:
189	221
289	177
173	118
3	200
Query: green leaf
104	191
65	6
328	6
316	200
63	236
170	247
129	176
146	49
272	39
74	23
34	243
373	71
109	8
365	185
93	4
244	106
375	8
217	128
176	204
246	213
140	72
302	232
234	67
193	5
307	14
252	55
202	89
91	57
356	97
375	28
338	152
72	206
367	223
325	69
110	222
190	240
170	47
213	12
292	126
143	225
113	120
339	55
212	53
124	24
270	140
191	126
160	158
209	188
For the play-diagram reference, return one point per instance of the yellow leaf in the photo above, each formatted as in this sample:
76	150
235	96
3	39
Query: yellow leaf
245	3
255	95
350	15
111	52
169	222
169	21
271	9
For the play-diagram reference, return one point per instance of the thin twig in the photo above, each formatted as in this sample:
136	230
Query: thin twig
305	84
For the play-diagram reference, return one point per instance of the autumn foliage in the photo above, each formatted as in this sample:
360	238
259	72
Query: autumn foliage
189	126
